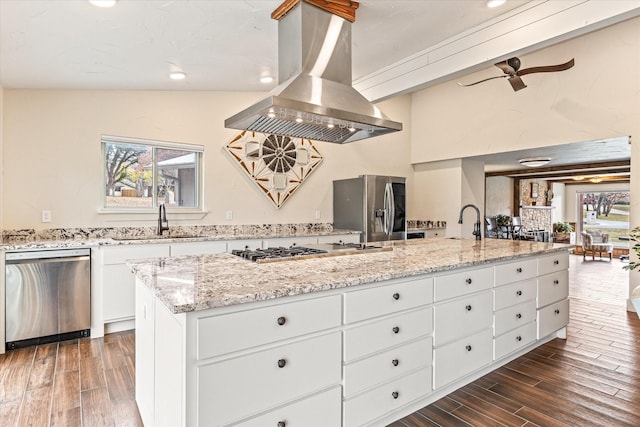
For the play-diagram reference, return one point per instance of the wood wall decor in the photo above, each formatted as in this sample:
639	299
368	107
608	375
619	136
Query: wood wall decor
277	164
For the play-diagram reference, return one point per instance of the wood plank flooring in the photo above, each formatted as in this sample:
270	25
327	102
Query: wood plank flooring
591	379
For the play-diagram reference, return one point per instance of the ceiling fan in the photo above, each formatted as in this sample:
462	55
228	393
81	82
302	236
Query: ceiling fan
511	69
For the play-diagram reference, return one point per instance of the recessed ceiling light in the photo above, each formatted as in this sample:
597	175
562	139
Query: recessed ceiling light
177	75
103	3
534	162
266	79
495	3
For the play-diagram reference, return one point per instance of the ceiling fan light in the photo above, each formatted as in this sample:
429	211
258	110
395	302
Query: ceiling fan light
534	162
177	75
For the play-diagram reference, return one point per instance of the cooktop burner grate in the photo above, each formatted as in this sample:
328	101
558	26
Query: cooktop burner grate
276	253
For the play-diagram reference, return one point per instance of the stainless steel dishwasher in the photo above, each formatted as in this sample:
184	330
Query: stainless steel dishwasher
47	296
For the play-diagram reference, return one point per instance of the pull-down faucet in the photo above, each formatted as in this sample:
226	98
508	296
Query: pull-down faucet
163	223
476	226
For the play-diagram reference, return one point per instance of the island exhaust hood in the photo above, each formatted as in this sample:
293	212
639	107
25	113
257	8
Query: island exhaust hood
314	98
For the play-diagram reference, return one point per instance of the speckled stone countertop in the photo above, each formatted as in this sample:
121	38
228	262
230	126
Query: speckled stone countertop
191	283
20	240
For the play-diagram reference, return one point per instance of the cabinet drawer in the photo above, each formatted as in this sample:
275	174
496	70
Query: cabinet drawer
389	332
457	284
320	410
386	366
515	293
217	335
455	319
287	242
553	287
514	340
120	254
244	244
198	248
552	318
387	299
336	238
461	357
512	317
515	271
235	388
551	263
386	398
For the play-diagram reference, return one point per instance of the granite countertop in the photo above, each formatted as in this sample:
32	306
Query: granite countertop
76	241
191	283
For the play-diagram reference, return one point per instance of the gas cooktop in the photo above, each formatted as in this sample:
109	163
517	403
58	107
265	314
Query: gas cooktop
304	252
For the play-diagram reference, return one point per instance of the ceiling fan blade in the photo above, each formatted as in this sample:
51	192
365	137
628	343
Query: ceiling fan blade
506	68
480	81
517	83
547	68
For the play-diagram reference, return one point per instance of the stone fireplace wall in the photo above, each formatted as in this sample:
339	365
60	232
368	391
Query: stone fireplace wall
534	192
536	218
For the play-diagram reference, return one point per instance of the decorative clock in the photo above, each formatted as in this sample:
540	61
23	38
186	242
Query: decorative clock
277	164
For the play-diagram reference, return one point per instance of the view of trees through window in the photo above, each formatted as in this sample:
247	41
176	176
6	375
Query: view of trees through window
130	169
607	212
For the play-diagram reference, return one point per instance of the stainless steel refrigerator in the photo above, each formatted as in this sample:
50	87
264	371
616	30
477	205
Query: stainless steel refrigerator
373	204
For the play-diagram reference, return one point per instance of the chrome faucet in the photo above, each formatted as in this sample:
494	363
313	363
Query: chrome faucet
476	226
163	223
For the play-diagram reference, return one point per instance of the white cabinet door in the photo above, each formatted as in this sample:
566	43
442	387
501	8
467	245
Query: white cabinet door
198	248
514	340
321	410
118	283
553	287
552	318
235	388
145	395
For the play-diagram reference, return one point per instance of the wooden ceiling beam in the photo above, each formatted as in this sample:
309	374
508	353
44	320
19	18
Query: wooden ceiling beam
343	8
568	170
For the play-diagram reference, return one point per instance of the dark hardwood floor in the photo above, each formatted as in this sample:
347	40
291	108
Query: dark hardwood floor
591	379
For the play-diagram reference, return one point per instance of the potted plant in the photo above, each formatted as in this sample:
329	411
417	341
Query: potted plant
634	235
562	230
503	220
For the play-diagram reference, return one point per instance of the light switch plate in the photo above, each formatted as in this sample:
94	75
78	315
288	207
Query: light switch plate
46	216
317	214
229	215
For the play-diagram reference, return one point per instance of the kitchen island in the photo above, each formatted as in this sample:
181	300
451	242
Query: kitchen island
347	340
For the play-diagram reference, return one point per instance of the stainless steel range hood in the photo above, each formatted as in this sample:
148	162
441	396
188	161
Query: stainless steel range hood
315	99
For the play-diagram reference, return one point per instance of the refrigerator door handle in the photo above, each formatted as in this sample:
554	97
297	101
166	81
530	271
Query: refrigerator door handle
392	209
388	196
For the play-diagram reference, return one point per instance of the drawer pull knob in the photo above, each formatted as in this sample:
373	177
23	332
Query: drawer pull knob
469	281
282	363
518	316
282	320
519	269
282	424
518	338
468	308
468	348
555	282
396	296
556	262
519	293
395	362
556	311
395	394
396	329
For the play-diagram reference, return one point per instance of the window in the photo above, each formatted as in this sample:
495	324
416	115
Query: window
142	174
606	212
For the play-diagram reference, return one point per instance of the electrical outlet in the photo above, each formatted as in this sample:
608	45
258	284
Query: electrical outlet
229	215
46	216
317	214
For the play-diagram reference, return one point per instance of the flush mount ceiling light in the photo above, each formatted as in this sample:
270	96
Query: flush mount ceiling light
534	162
103	3
596	179
495	3
177	75
266	79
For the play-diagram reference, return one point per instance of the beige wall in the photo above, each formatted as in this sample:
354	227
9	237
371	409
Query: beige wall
499	196
1	158
52	153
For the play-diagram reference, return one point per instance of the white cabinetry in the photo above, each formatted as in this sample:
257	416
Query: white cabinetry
118	290
198	248
553	293
387	348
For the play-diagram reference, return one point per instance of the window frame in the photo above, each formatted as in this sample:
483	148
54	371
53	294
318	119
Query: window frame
154	145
